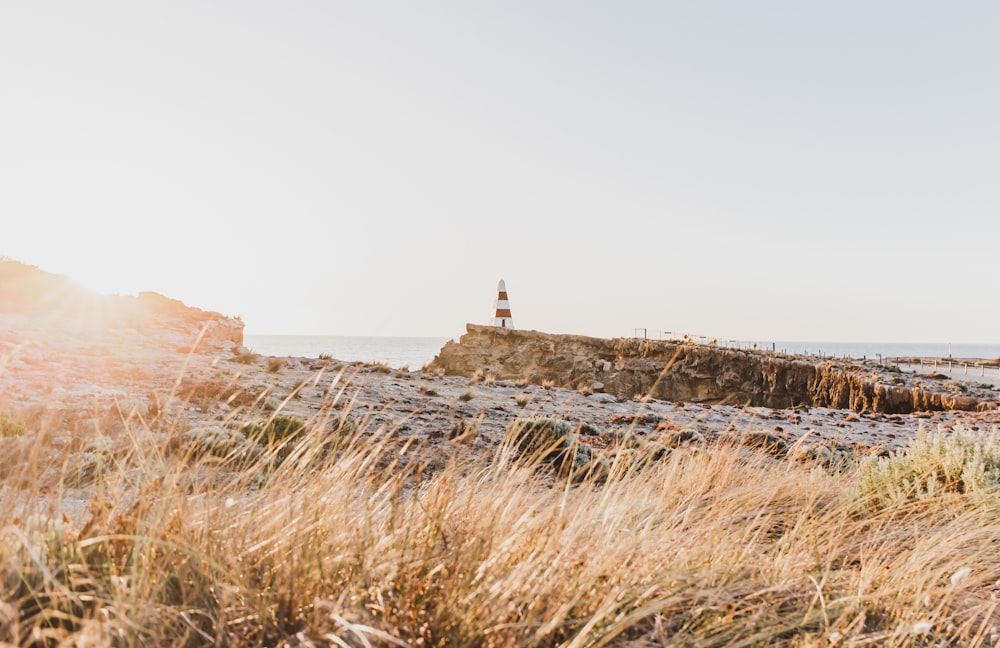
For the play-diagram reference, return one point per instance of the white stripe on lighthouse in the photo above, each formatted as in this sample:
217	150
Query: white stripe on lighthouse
501	308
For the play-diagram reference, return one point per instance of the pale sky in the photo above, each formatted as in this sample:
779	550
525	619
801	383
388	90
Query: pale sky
748	170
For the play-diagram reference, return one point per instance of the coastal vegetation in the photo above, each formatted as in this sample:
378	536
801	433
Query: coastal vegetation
209	496
342	531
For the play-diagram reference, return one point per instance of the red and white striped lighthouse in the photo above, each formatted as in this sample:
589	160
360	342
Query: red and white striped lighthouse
501	308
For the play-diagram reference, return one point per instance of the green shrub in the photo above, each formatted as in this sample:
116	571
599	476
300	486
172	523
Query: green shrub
552	441
538	432
278	430
962	462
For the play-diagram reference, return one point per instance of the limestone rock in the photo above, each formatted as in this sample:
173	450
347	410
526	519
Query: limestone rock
682	371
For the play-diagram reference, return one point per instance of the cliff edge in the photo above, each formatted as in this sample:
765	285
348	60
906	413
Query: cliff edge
684	371
41	300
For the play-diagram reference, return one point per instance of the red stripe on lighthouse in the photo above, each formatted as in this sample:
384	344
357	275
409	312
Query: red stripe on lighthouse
501	308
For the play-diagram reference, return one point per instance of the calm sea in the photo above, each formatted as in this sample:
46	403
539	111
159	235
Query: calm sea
412	352
415	352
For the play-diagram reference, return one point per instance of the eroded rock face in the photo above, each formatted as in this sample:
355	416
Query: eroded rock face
679	371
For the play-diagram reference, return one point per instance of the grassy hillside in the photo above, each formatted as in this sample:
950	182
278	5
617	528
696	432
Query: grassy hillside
341	532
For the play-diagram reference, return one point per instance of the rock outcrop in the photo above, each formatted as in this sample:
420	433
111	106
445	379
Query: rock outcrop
680	371
213	327
29	292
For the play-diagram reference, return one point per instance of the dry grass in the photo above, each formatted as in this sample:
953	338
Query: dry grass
244	356
378	367
360	537
11	425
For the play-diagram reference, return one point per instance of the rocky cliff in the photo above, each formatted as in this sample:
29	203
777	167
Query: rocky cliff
679	371
29	292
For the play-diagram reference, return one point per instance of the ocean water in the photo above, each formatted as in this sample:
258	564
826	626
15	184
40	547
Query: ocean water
412	352
415	352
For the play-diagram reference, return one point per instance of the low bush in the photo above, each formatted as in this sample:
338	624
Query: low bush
638	419
552	441
936	463
215	441
276	431
199	392
538	432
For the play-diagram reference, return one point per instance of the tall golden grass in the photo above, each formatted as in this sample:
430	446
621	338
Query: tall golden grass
359	536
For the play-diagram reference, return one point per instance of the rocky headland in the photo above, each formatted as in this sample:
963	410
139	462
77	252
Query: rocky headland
85	373
680	371
150	457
